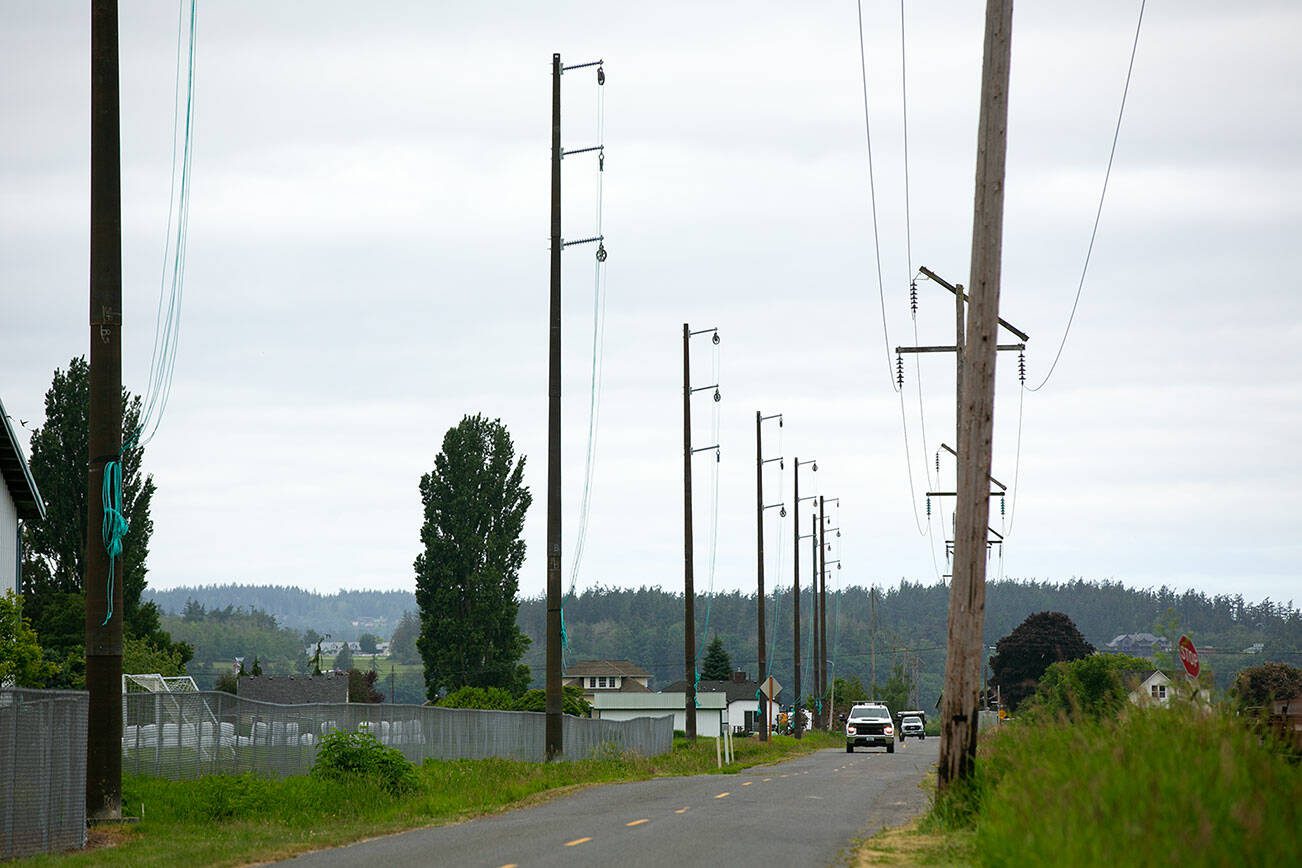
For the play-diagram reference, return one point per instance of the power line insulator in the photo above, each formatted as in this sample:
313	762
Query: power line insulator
1021	366
899	370
601	160
928	507
601	252
937	460
601	75
1001	505
913	297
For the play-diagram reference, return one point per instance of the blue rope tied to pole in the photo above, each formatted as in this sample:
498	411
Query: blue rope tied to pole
565	637
114	525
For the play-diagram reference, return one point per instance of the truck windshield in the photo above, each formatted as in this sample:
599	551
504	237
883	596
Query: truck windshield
869	714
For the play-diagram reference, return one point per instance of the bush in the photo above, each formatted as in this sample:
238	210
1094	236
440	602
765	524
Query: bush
344	755
491	698
573	702
1086	689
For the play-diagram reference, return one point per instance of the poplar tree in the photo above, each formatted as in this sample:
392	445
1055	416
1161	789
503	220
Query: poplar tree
467	576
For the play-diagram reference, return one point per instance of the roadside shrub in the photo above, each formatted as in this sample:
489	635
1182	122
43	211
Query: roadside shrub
359	754
536	700
1089	688
492	698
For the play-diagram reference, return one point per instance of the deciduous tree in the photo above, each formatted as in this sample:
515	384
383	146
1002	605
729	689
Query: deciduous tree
467	576
1022	656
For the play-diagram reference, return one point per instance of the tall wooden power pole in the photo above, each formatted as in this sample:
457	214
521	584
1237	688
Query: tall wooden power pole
822	596
104	604
554	695
795	588
967	589
760	508
689	582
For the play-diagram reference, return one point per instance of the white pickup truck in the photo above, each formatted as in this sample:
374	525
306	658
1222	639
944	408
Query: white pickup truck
912	724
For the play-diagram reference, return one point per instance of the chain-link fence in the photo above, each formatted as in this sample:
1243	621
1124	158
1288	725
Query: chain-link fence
188	735
42	771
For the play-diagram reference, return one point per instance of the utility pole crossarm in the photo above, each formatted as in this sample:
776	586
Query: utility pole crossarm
991	478
945	283
950	348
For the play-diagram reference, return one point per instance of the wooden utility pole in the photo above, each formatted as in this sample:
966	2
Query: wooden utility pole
799	723
104	604
760	508
554	696
967	589
822	596
759	567
813	607
689	585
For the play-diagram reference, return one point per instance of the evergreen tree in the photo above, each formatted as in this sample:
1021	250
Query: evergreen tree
368	642
344	659
54	549
402	645
467	576
717	665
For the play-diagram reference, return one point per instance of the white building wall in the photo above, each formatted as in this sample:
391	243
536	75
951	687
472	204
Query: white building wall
8	541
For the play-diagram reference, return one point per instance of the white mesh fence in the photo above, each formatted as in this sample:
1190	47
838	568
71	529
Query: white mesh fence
193	734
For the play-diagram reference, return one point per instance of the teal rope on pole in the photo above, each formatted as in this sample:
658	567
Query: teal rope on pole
113	526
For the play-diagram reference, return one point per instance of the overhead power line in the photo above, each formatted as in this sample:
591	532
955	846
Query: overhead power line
1098	214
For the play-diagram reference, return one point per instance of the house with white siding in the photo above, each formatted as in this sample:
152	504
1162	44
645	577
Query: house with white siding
20	501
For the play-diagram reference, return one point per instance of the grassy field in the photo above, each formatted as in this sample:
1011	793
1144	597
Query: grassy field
224	820
1158	786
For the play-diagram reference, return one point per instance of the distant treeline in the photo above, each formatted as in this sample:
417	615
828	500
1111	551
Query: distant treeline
376	612
645	624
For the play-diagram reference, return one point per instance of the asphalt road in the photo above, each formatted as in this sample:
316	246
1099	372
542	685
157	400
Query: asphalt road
801	812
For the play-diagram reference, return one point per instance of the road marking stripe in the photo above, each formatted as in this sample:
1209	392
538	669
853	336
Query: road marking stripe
766	780
682	810
577	841
723	795
637	822
747	783
510	865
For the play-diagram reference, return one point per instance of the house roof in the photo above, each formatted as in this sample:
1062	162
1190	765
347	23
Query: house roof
294	690
735	690
1138	639
17	475
626	668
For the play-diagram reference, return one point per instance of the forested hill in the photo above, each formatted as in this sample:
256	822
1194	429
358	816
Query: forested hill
344	615
645	625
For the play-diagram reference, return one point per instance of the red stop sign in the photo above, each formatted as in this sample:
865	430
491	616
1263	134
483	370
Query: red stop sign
1189	656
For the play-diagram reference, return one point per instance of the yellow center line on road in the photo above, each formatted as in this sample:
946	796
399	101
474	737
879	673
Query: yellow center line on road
682	810
637	822
747	783
577	841
766	780
723	795
510	865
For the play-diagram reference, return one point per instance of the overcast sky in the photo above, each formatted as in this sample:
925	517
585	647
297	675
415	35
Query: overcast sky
368	262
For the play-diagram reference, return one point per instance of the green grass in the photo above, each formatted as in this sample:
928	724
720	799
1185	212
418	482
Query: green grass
1153	786
225	820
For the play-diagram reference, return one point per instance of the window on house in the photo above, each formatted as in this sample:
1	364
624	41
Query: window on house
604	681
1159	691
592	681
